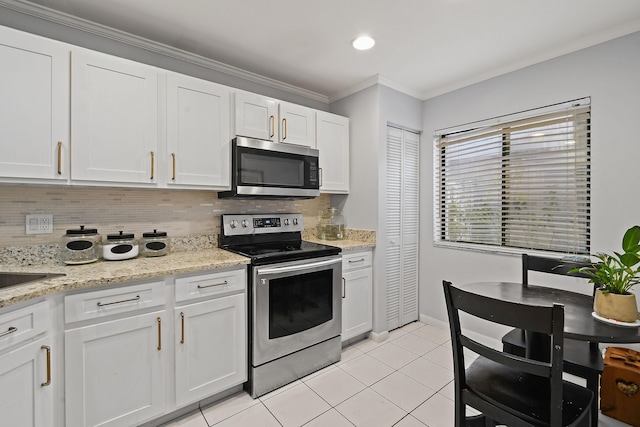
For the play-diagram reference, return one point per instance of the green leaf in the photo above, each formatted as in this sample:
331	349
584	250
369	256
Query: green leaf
631	238
629	259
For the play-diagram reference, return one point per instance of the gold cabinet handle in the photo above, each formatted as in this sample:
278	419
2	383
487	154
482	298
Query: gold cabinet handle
173	167
272	120
284	128
159	333
344	287
212	285
153	163
11	330
48	350
59	157
182	319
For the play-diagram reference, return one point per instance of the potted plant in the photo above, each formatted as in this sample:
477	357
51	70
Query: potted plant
615	275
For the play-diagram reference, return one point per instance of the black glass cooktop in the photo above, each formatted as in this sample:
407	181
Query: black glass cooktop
281	252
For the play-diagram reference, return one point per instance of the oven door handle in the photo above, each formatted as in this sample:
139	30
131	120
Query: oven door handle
299	267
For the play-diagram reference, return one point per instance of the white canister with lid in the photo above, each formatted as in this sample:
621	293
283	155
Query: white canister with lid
155	243
120	246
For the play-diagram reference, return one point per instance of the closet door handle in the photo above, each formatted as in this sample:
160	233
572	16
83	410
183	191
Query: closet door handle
59	157
272	124
153	163
48	350
182	319
159	333
284	128
173	168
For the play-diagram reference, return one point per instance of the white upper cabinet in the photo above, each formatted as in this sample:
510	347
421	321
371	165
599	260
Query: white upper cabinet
114	106
333	145
34	108
256	116
297	124
197	133
264	118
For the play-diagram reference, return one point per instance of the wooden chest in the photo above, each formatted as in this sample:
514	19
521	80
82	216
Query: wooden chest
620	380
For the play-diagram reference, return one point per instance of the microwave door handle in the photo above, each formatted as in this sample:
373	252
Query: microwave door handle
276	270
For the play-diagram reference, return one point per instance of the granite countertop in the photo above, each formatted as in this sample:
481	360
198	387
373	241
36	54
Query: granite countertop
345	245
102	273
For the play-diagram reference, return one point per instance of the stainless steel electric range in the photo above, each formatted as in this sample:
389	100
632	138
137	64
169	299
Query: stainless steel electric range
295	302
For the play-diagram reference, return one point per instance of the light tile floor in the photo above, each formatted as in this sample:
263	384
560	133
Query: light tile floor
405	381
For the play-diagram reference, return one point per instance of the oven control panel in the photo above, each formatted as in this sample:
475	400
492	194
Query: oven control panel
236	225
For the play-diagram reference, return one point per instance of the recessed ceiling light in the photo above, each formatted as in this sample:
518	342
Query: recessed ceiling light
363	43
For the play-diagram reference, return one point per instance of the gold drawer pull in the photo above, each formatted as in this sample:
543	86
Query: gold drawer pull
48	350
102	304
212	285
11	330
59	157
153	162
173	167
182	319
272	121
159	333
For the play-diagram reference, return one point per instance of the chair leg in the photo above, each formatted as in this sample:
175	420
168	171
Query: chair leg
593	384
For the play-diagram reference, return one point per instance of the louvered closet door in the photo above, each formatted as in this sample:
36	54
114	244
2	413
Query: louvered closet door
402	220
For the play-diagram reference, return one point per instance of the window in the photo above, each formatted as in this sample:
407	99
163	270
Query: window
516	182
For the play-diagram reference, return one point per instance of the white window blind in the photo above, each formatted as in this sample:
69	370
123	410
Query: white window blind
520	181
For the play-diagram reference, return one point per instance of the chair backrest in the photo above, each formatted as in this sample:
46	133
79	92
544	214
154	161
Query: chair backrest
551	266
540	319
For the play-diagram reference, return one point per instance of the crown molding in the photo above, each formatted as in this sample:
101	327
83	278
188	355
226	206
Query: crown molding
47	14
375	80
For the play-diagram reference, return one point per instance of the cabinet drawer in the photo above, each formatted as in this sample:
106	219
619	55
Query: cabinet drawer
353	260
106	302
21	325
192	287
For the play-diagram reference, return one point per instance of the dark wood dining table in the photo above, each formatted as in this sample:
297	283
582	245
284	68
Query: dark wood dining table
579	323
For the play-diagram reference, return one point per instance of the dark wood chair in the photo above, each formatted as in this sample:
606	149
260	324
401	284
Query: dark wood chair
506	388
581	358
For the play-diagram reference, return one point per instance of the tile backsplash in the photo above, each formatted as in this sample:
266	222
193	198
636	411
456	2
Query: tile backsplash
178	212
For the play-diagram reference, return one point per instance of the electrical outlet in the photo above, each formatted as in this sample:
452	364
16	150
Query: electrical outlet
39	224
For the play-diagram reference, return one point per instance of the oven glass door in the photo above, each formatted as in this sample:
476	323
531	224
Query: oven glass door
296	304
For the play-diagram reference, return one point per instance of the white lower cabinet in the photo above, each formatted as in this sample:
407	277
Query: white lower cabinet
114	371
357	294
211	352
26	369
116	352
26	394
123	343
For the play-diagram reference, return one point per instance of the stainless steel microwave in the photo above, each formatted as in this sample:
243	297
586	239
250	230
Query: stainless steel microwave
272	170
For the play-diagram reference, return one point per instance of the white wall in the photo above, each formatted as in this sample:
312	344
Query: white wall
370	110
610	74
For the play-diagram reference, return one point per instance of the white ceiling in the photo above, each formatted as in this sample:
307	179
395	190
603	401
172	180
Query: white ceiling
424	47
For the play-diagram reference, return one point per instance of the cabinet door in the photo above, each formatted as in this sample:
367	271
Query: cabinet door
197	133
211	351
256	116
357	303
333	144
114	119
26	395
114	371
34	106
297	124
